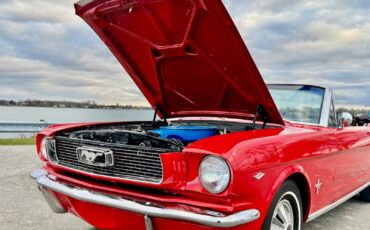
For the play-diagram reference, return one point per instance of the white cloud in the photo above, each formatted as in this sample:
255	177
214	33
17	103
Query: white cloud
24	78
47	52
52	11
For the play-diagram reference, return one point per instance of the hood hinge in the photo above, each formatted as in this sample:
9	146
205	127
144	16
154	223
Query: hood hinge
158	109
261	111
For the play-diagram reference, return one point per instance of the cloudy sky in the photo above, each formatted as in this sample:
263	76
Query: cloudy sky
46	52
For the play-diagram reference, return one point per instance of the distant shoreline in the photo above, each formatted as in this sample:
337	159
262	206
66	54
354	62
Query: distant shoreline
67	104
52	107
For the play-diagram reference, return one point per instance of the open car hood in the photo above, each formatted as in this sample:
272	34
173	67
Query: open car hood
186	56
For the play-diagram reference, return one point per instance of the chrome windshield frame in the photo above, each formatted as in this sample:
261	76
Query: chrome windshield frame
325	107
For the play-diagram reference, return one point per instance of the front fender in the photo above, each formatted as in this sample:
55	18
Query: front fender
260	193
297	173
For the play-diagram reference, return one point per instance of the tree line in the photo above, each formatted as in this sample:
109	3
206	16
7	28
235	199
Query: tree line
67	104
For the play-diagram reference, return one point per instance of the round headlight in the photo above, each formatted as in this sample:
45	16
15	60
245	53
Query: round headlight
43	148
214	174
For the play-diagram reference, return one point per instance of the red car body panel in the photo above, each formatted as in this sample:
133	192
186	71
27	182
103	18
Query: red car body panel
186	56
187	66
338	157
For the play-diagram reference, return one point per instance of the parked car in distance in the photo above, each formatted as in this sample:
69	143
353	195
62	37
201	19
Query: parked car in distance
361	119
224	149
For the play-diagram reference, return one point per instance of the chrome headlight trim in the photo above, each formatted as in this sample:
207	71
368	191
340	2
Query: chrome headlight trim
214	174
44	148
52	152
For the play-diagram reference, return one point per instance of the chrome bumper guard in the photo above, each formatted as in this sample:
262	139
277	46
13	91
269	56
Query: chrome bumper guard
47	183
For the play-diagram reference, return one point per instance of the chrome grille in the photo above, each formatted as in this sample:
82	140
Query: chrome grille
130	162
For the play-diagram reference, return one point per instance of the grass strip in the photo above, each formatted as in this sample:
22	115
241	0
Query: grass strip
18	141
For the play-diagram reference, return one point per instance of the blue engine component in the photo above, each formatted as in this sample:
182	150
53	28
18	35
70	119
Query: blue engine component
186	134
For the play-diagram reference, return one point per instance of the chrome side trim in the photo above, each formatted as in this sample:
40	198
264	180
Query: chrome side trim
146	209
336	203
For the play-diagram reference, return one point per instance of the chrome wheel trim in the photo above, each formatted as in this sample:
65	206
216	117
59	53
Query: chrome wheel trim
283	217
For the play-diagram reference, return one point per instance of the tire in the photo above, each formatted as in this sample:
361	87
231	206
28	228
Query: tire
287	200
365	194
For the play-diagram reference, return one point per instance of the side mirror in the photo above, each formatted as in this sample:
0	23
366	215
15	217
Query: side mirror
345	119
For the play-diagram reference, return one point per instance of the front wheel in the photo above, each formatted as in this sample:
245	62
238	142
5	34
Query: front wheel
285	212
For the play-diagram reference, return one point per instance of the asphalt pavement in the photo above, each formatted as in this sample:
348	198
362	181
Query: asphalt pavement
23	207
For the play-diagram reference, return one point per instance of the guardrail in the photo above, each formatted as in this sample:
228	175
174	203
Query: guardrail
22	127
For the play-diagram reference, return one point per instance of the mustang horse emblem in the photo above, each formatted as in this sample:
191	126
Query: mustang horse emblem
95	156
90	156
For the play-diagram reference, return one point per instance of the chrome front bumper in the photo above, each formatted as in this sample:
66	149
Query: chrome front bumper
47	183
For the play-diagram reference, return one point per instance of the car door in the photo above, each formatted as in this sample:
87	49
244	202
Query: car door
363	143
352	163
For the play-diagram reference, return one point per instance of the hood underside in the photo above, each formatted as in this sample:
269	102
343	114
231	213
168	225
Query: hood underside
186	56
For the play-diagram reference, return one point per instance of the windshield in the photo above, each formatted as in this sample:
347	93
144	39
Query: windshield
298	103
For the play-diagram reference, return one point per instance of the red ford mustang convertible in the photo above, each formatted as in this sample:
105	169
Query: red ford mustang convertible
227	151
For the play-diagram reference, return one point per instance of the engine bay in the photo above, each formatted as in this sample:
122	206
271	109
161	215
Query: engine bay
173	136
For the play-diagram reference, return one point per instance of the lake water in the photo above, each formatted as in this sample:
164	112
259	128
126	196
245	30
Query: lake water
66	115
